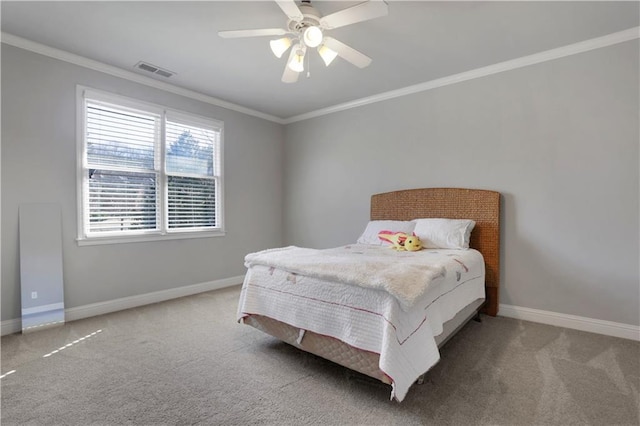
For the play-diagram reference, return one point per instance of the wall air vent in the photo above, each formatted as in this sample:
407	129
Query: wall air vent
144	66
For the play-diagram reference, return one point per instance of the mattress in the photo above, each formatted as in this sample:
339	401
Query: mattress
369	319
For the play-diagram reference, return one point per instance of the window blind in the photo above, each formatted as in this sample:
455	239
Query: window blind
191	165
121	174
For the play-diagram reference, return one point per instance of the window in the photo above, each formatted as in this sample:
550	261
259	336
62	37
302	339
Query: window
146	172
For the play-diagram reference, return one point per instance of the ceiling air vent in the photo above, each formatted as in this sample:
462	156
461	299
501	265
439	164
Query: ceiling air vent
144	66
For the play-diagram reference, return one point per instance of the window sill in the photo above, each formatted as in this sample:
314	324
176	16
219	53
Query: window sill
91	241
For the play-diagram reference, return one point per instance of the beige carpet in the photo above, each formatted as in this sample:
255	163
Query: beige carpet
187	362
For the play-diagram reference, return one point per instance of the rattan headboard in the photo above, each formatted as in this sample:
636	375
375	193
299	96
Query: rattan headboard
454	203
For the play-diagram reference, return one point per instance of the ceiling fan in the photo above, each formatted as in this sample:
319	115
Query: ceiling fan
306	29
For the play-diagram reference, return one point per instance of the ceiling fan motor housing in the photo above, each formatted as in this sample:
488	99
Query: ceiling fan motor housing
311	19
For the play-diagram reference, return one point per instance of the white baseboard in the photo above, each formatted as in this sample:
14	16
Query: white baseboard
609	328
11	326
615	329
100	308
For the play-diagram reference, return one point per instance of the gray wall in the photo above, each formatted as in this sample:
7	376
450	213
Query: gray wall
39	165
559	140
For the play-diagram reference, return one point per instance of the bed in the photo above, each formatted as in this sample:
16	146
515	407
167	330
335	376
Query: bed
390	333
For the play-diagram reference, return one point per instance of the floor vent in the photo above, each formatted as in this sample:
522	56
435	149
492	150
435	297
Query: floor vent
144	66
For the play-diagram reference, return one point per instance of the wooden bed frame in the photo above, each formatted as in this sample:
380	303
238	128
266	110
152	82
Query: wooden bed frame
482	206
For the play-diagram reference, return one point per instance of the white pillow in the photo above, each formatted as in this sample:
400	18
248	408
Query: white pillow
444	233
370	234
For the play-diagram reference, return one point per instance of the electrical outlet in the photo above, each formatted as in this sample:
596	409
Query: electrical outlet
34	294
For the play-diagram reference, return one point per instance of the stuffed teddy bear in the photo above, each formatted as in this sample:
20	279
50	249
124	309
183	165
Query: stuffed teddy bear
401	241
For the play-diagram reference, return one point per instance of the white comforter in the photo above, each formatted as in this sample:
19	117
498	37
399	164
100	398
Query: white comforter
405	275
397	323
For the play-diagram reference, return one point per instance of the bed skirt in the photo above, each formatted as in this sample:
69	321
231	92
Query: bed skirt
341	353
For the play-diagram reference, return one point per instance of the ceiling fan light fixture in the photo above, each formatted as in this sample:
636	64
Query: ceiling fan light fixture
297	62
279	46
326	54
312	36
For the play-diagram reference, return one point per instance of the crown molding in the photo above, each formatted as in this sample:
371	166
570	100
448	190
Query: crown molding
72	58
548	55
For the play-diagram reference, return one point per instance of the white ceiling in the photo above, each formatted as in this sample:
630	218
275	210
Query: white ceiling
418	41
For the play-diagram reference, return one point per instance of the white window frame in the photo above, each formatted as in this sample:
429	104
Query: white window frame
84	238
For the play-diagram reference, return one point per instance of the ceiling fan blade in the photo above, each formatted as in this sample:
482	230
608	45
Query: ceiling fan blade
361	12
290	8
252	33
347	53
289	75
